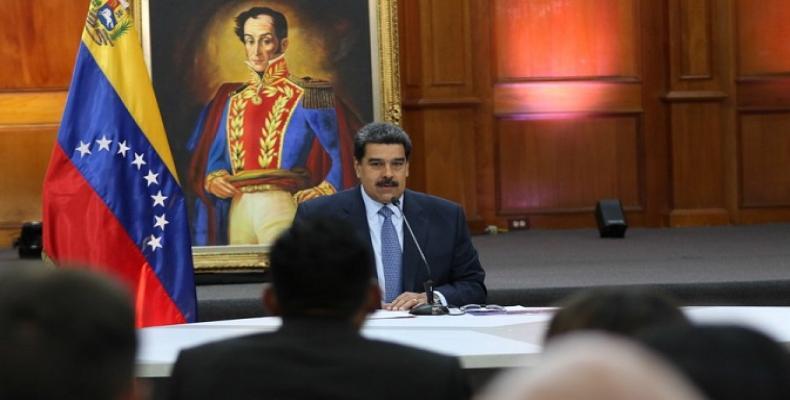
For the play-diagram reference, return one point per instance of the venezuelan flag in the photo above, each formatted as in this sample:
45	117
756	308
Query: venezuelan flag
112	200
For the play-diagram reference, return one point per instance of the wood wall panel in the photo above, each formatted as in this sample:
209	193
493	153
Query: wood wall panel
438	52
28	127
39	45
697	157
566	97
694	58
450	44
442	100
693	18
569	97
410	65
550	39
764	95
762	32
24	161
762	62
39	42
555	165
765	159
444	140
31	107
699	101
677	107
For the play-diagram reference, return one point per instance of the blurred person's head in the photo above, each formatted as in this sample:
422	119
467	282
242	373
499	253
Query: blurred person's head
726	361
321	268
623	311
593	366
65	334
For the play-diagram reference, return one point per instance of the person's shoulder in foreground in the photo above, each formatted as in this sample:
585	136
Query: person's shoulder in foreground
727	362
323	288
328	205
317	366
65	334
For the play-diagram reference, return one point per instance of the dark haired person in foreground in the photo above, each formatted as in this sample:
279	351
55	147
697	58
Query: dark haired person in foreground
727	362
378	210
65	334
622	311
323	288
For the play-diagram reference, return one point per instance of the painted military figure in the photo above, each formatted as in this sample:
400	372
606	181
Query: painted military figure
264	145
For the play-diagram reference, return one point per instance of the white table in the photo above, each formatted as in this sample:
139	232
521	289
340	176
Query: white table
480	342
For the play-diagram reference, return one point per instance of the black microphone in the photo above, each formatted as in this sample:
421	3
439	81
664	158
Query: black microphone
429	308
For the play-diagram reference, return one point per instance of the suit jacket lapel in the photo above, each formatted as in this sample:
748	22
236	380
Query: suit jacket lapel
356	215
414	273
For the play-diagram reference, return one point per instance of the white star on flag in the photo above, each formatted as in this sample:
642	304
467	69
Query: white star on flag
122	148
138	161
155	242
104	143
83	148
151	178
159	199
160	221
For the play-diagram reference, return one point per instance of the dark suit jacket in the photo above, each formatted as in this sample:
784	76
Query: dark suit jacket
440	228
314	359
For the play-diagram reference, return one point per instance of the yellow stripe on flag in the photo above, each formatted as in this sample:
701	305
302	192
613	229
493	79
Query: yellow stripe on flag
123	65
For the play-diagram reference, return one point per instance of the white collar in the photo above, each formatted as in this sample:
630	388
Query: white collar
372	207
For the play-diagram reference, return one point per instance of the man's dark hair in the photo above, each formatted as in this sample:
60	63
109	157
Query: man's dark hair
280	23
623	311
64	334
725	361
321	267
380	133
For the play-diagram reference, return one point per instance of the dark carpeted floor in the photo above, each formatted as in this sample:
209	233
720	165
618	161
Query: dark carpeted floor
538	259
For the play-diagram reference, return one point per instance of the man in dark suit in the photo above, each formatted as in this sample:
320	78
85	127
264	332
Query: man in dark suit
381	161
323	288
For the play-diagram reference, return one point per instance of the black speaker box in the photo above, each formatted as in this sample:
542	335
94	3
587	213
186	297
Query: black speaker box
29	242
611	219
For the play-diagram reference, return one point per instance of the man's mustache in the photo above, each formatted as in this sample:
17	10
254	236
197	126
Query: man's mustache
387	183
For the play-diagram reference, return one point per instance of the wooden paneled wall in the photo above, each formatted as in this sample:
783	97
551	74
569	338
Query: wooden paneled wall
441	87
762	116
538	108
568	103
38	45
697	97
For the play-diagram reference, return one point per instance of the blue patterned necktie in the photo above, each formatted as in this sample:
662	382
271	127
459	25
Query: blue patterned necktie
390	256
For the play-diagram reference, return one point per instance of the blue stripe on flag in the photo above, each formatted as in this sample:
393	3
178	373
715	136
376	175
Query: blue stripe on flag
95	112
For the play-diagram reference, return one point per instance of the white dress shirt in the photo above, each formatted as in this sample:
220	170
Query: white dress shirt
375	220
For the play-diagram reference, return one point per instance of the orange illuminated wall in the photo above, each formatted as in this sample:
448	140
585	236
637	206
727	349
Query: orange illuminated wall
763	37
568	101
559	39
763	100
539	108
38	45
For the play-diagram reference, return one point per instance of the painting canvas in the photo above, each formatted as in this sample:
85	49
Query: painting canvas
254	129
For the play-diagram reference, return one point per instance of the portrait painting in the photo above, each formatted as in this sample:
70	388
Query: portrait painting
260	101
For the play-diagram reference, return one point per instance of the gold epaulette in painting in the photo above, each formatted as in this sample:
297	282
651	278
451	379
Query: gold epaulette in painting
317	93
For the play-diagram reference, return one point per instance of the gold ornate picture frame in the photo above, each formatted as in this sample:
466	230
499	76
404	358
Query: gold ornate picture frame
384	91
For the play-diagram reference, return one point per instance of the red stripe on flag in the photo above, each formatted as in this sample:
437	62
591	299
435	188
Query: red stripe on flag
88	235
